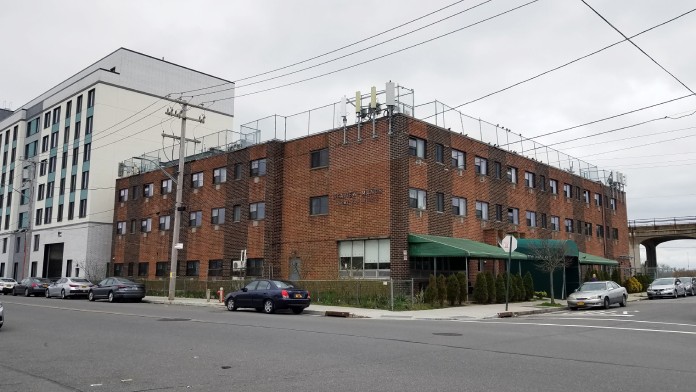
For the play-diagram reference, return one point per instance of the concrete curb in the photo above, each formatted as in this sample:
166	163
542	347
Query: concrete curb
528	312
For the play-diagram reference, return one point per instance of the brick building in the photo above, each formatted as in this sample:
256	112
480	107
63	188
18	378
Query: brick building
351	202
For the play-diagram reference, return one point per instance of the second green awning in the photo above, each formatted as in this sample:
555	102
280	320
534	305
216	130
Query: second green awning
586	258
424	245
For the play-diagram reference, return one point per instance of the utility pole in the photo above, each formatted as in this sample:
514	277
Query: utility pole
179	189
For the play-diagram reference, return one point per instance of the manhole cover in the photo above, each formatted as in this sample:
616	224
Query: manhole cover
447	334
173	319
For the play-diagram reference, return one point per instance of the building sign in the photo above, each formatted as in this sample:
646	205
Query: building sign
357	197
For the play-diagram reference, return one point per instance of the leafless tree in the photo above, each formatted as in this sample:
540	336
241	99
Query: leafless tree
93	270
550	258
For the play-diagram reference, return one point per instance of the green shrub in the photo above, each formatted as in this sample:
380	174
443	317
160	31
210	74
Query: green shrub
452	289
632	285
481	289
490	284
500	289
644	280
519	287
463	287
541	294
588	275
441	290
528	286
431	291
616	275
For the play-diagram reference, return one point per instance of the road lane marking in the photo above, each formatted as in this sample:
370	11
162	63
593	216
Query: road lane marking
624	320
581	326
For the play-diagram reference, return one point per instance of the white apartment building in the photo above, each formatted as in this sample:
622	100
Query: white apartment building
60	155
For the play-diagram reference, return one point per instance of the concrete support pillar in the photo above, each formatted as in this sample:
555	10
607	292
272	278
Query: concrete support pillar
651	254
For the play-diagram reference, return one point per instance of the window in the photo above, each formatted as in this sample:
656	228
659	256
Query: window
219	175
71	210
499	212
78	105
118	269
87	153
4	245
237	171
73	182
553	185
439	153
217	216
498	170
615	233
142	269
23	220
257	211
364	258
513	216
164	222
197	180
64	161
192	268
215	268
40	192
76	155
458	159
319	205
77	130
52	164
48	215
83	208
47	120
14	154
166	187
600	231
85	180
90	98
319	158
132	226
543	221
195	218
529	179
146	225
66	135
555	223
569	225
531	219
542	183
121	228
30	151
36	242
579	226
88	126
56	115
416	198
568	190
59	216
482	210
439	202
458	206
598	199
512	174
588	229
61	189
237	213
123	195
416	147
258	168
481	165
39	216
586	196
54	140
578	194
68	109
161	268
612	204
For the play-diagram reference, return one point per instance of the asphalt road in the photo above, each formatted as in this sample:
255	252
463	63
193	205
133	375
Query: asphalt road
76	345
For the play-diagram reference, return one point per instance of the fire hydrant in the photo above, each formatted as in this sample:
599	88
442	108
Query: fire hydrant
221	294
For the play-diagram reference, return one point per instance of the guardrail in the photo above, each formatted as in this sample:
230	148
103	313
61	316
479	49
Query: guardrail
654	222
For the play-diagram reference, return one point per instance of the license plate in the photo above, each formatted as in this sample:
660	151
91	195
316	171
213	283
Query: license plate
45	285
83	287
581	304
298	295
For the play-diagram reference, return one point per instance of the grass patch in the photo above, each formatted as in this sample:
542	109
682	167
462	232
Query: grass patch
549	304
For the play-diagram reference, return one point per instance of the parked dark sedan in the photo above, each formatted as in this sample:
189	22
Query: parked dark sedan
29	286
269	295
114	289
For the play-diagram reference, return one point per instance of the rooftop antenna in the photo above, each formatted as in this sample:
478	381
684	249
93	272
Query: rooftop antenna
343	112
374	109
391	102
358	110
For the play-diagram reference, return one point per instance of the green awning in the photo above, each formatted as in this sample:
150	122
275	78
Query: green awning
529	246
586	258
423	245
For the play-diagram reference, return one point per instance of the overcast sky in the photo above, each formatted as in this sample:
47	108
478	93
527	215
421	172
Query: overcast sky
46	42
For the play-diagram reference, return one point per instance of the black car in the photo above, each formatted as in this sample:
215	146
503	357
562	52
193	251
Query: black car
268	296
114	289
29	286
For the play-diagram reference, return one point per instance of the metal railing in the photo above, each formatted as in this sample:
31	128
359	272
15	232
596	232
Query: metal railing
661	222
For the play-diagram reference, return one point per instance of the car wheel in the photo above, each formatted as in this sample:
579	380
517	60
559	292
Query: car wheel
26	292
297	310
14	293
90	295
48	295
111	297
623	301
606	303
230	305
268	306
676	294
693	292
62	294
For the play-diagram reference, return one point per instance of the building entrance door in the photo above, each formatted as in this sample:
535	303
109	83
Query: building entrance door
53	261
295	264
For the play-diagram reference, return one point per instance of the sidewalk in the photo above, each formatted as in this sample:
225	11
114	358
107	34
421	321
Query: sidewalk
471	311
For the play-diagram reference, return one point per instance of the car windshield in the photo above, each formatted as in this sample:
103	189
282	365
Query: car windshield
40	280
80	280
281	284
663	281
594	286
685	280
6	280
126	281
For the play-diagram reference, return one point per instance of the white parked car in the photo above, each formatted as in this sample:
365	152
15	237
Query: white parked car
666	287
602	293
6	285
68	287
689	284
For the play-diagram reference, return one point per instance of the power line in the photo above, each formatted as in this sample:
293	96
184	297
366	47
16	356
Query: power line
629	138
329	52
637	47
375	58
